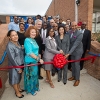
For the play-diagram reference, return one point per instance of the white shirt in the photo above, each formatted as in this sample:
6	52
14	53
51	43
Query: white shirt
43	32
82	31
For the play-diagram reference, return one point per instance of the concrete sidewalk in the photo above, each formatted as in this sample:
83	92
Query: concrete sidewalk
88	89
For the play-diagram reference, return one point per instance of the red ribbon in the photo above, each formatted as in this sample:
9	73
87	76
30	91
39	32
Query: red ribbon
58	61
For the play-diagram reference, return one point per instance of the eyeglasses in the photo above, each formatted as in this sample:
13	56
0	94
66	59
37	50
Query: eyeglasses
55	26
51	31
83	24
44	25
16	18
66	27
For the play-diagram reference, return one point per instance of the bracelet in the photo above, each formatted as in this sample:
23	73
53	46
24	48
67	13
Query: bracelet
38	59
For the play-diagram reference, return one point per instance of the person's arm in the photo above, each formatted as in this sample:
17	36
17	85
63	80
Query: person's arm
89	41
48	46
11	55
28	49
76	43
67	44
39	42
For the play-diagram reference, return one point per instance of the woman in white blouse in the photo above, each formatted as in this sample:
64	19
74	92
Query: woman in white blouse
49	53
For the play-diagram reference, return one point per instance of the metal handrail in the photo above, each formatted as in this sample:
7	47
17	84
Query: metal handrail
3	57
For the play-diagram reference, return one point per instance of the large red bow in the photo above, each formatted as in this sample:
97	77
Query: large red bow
59	61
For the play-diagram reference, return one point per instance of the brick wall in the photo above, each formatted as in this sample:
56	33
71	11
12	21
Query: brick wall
7	19
66	9
3	42
90	14
61	7
94	69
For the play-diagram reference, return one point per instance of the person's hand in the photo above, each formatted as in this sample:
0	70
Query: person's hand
41	61
67	55
61	51
22	46
20	71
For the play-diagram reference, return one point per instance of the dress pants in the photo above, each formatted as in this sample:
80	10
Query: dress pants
64	70
75	67
82	62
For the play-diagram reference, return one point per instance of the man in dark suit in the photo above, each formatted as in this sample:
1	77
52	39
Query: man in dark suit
38	24
86	41
43	34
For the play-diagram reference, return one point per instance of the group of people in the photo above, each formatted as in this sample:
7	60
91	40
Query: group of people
40	42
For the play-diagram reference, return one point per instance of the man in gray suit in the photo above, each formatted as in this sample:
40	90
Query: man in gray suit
76	50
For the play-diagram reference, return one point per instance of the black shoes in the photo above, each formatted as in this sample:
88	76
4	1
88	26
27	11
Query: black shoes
64	83
40	77
53	74
58	80
22	91
20	96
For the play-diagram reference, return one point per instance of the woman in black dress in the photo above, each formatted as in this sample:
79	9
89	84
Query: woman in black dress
21	33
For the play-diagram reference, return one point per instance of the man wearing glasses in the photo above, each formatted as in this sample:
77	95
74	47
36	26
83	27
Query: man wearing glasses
14	25
86	41
55	27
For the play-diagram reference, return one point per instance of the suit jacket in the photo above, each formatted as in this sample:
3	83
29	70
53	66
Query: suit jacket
46	33
15	55
86	40
76	46
50	49
39	42
64	45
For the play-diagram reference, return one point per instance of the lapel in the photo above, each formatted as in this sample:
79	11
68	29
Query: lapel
74	36
52	43
59	38
64	38
42	32
85	32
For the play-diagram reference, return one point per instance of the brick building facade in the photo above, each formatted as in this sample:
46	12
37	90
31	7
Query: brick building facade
66	9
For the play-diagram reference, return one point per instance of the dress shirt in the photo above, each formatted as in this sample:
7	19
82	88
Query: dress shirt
13	26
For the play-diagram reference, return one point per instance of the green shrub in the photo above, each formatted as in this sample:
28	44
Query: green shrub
98	39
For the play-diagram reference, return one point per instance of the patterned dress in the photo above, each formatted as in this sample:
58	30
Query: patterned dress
31	82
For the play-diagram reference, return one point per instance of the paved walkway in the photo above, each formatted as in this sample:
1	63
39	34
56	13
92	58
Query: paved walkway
88	89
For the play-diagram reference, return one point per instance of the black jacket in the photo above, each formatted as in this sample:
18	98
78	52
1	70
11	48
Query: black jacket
86	40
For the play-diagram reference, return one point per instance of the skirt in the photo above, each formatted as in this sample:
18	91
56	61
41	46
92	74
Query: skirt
47	66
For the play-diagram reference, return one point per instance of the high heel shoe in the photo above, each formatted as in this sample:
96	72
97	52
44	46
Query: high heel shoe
19	96
51	85
47	81
22	90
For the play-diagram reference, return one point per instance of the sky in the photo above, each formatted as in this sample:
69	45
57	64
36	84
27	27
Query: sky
24	7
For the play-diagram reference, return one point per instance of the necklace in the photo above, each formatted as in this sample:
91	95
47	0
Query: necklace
33	41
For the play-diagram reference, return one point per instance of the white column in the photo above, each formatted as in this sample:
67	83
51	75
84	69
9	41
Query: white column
76	12
96	19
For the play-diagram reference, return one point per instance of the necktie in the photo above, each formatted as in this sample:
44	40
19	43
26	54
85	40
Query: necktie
44	37
71	35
